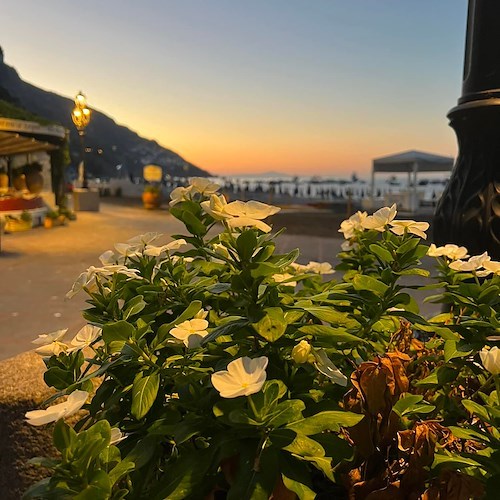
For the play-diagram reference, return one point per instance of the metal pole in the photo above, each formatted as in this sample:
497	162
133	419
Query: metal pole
468	213
81	133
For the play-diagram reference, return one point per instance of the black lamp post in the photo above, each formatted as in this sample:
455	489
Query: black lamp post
468	213
81	118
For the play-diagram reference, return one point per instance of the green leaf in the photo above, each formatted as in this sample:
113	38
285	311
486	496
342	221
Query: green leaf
246	243
305	447
296	476
407	246
382	253
467	433
184	476
116	334
272	326
134	306
477	409
300	489
226	329
362	282
64	436
412	404
255	478
329	333
58	377
454	349
441	375
325	420
455	461
193	224
144	391
332	316
285	412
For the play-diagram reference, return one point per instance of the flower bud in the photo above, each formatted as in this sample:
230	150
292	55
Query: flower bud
300	353
491	360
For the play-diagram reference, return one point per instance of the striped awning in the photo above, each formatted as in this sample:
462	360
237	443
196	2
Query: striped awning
12	143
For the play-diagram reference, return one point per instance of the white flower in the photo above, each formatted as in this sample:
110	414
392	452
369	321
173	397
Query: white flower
158	251
191	332
244	376
451	251
50	343
491	360
326	367
215	207
399	227
108	257
249	214
280	278
352	224
86	336
116	436
299	268
62	410
473	264
85	280
320	267
144	239
492	266
347	246
180	194
301	352
203	185
127	250
380	218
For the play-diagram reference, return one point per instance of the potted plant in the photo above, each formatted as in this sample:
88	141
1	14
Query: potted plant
34	177
50	218
151	196
222	379
14	224
4	179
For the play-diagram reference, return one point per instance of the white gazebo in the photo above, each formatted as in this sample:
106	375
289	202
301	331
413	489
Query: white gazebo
411	162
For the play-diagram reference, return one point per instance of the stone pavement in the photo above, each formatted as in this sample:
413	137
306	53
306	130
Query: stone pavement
38	267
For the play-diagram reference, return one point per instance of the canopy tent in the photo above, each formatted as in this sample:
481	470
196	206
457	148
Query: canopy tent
411	162
13	143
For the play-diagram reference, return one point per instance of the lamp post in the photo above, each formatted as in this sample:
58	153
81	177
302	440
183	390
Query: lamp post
468	213
81	118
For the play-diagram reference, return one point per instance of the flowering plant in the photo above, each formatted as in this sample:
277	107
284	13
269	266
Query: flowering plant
226	370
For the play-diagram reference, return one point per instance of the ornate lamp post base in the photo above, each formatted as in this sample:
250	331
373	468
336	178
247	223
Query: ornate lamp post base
469	210
468	213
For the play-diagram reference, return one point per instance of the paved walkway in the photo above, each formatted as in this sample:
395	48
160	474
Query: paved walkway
38	267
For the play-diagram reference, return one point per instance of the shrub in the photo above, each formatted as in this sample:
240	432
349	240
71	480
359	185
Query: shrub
227	370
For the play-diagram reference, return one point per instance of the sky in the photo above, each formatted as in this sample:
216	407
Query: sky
304	87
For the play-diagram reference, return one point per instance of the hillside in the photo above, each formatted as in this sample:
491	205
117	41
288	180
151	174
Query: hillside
117	144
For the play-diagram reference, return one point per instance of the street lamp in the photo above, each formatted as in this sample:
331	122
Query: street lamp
468	212
81	118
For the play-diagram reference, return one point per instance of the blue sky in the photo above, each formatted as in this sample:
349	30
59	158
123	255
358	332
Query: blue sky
299	86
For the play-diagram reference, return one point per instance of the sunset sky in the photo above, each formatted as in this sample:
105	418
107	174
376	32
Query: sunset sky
246	86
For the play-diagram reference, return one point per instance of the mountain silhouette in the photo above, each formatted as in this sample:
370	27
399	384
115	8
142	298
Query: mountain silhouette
108	144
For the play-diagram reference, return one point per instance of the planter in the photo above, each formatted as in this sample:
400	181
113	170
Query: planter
19	182
4	181
16	226
48	223
34	181
151	200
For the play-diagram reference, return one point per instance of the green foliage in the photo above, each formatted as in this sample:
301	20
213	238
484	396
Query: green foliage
371	381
